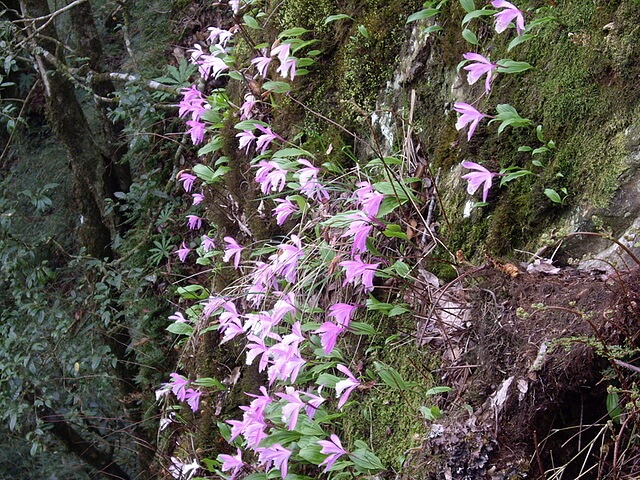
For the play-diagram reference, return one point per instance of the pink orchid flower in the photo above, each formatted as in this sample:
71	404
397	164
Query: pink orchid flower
480	176
506	16
182	252
342	313
275	455
231	462
187	181
329	332
345	387
194	222
283	210
333	449
469	115
233	250
357	269
481	67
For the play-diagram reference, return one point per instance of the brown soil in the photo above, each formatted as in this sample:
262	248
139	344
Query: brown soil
530	357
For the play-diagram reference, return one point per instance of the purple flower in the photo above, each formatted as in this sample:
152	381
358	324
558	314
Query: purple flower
481	67
333	449
288	68
194	222
478	177
313	402
266	138
506	16
207	243
196	130
359	229
193	398
231	462
329	332
345	387
182	252
262	64
178	385
210	65
309	184
187	180
271	176
342	312
282	51
468	115
291	410
192	103
247	106
368	198
219	36
285	262
198	198
284	208
233	250
246	138
277	455
284	305
178	317
356	268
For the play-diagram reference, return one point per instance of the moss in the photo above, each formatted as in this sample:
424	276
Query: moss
580	92
389	420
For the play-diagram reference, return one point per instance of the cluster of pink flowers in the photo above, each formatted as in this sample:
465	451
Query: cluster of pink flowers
478	67
288	63
178	386
269	318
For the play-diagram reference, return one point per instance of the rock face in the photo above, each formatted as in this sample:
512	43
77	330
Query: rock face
527	360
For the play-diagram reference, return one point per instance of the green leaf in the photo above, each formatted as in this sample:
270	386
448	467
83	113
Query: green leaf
362	328
511	66
311	453
210	382
553	195
362	30
390	376
518	40
477	13
292	152
539	133
251	22
431	413
508	116
249	125
214	145
293	32
366	461
398	310
207	174
193	292
395	231
401	268
613	406
423	14
468	5
540	150
180	328
433	28
338	16
438	390
277	87
469	36
509	177
525	148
